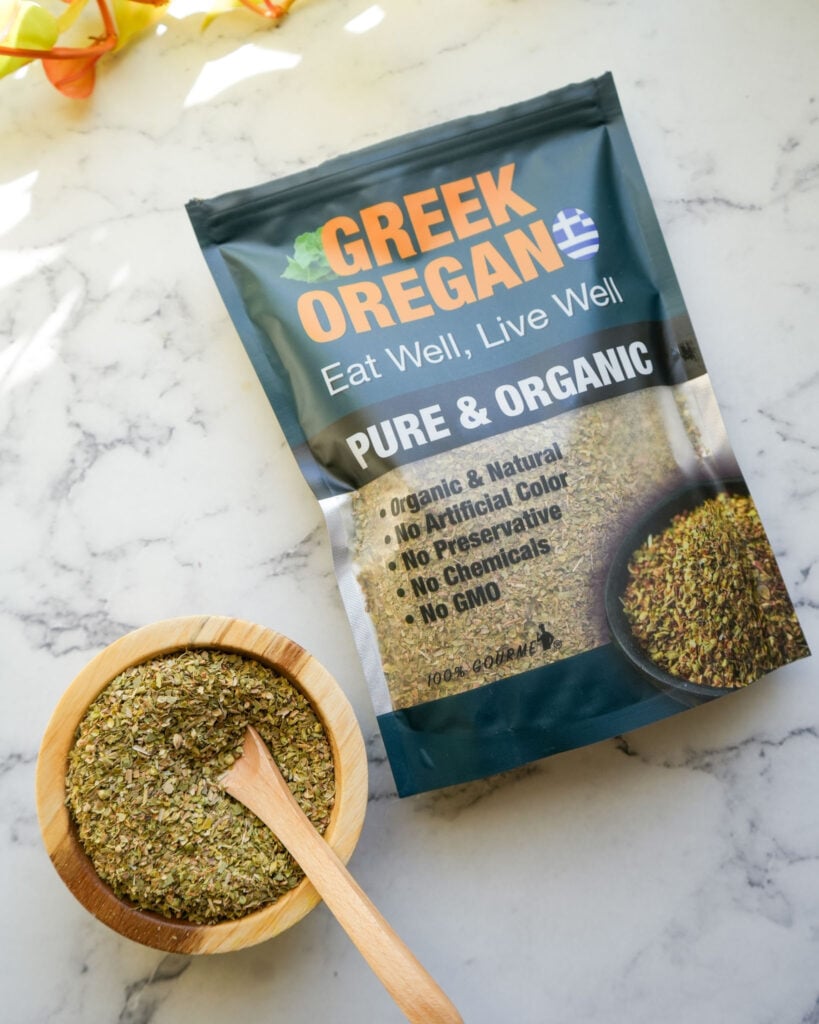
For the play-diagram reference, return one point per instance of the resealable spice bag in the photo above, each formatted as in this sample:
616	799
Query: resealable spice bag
477	348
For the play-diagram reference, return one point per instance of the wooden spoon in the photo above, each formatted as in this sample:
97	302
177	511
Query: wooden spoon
255	781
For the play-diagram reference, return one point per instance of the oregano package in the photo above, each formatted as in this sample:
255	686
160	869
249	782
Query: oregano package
477	348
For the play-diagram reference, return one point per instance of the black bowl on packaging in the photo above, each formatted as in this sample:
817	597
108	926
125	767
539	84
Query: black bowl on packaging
653	523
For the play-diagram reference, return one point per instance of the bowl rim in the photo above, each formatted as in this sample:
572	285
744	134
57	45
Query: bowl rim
151	641
653	521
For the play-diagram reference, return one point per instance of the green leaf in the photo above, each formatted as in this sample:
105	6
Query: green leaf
309	261
26	25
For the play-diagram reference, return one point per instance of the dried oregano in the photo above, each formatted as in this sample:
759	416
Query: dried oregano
706	601
614	455
142	783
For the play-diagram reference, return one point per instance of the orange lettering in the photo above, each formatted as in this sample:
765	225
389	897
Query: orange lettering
499	196
362	302
330	325
448	292
384	223
350	258
540	246
460	208
423	219
403	293
491	270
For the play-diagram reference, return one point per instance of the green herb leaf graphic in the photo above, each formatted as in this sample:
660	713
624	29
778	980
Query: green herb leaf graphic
309	261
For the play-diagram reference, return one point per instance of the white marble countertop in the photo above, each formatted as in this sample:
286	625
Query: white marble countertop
669	875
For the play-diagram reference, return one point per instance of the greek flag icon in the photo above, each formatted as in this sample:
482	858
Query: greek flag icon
576	234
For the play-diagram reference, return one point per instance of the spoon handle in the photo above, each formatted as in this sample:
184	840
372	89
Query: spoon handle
256	781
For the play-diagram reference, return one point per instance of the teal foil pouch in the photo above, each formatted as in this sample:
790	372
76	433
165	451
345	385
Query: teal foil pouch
476	346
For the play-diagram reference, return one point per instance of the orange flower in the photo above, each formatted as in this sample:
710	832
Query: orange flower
31	33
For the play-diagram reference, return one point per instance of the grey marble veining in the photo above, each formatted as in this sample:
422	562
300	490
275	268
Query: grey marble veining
671	874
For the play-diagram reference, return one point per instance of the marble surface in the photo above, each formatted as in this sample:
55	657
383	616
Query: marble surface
671	874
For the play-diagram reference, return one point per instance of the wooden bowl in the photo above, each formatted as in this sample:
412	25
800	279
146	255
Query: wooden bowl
236	637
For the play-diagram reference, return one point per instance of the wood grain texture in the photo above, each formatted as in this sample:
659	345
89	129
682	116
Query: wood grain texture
238	637
256	781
